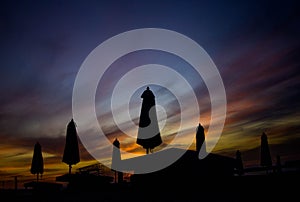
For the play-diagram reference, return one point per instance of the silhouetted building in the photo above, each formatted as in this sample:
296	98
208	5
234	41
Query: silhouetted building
91	177
148	133
186	169
189	168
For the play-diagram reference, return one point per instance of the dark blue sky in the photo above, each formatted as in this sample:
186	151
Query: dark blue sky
254	44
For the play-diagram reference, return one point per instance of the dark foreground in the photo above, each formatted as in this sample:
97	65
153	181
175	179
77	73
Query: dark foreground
245	188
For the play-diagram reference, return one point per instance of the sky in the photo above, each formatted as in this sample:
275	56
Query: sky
254	44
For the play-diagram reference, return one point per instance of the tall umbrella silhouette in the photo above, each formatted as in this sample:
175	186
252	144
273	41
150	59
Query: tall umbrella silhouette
148	132
239	162
265	156
37	164
71	152
116	158
200	139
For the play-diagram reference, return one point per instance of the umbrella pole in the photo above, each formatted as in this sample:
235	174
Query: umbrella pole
70	167
37	177
147	150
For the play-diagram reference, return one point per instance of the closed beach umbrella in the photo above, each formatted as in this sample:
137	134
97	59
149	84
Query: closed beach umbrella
148	132
239	162
37	164
265	156
71	152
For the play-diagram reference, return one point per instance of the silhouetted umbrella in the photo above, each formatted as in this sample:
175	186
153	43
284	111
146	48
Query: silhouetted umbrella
200	138
116	158
148	133
37	164
71	152
239	162
265	156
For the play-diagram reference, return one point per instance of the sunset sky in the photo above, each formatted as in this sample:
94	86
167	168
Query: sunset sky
254	44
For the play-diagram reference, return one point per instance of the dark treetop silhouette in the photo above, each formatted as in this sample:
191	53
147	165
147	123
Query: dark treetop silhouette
265	156
148	133
37	164
71	152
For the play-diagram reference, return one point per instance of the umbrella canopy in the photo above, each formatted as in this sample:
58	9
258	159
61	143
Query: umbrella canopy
116	160
37	164
148	133
71	152
116	156
265	156
200	138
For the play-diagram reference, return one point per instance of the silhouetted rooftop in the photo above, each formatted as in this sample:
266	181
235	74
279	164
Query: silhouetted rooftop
186	167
